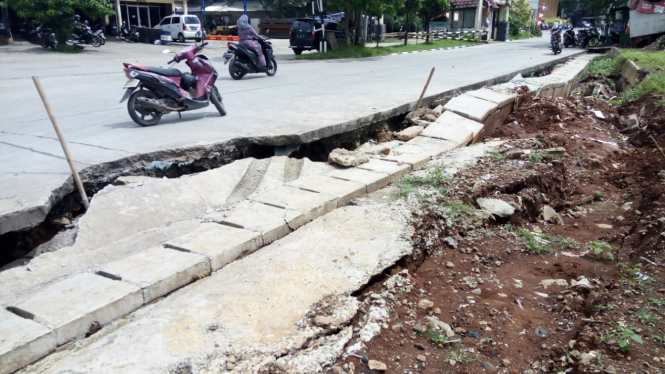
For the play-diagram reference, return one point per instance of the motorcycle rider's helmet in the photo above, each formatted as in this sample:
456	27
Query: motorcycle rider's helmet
77	17
86	23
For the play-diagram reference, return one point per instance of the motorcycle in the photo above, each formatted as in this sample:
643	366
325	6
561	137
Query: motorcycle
153	92
85	36
46	37
129	35
555	41
570	39
99	32
589	37
245	61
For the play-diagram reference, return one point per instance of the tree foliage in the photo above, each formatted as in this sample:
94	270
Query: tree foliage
58	14
411	8
430	9
520	15
286	8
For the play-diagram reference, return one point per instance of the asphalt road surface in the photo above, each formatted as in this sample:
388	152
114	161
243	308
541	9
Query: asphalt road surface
84	91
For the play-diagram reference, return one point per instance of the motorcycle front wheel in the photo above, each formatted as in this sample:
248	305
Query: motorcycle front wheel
142	115
96	42
271	68
234	69
216	99
593	42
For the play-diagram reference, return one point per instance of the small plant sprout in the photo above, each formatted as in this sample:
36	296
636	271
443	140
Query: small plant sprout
600	248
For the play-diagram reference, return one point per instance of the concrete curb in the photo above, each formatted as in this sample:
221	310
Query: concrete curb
435	49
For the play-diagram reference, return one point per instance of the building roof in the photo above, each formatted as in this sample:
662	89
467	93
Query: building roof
466	4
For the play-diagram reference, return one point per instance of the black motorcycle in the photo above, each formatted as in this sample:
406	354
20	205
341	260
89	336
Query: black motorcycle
570	39
589	37
46	37
245	61
555	41
84	35
129	35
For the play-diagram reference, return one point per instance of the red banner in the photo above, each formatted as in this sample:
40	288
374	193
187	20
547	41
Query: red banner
643	6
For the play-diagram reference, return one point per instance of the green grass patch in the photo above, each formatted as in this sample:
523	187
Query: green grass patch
496	156
653	84
544	243
604	65
363	52
436	177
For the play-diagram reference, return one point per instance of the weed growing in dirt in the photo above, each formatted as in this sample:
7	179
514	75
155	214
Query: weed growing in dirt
433	336
598	196
654	301
544	243
458	210
536	157
461	357
652	84
623	335
408	184
599	248
660	339
631	276
596	360
496	156
601	307
647	318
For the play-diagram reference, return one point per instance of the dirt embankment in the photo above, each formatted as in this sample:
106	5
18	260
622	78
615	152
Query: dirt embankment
571	282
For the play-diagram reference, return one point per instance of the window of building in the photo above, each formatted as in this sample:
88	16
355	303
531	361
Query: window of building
464	18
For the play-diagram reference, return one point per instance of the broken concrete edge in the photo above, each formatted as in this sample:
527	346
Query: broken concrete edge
105	173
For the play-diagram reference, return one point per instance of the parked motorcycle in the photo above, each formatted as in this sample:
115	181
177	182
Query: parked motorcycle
555	41
153	92
99	32
129	35
245	61
570	39
589	37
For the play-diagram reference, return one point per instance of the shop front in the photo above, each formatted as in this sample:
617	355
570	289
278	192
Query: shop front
143	13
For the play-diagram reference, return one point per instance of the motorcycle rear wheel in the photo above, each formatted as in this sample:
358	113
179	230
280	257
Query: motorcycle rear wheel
235	71
593	42
139	113
216	99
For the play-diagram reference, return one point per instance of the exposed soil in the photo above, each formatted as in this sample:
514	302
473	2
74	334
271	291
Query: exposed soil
483	276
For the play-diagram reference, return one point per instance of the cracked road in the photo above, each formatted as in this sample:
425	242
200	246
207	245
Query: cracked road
303	98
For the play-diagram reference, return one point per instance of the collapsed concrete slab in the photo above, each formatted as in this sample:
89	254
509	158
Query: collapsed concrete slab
157	270
416	160
372	180
500	99
455	128
432	144
69	307
22	341
343	190
310	204
470	107
254	309
395	170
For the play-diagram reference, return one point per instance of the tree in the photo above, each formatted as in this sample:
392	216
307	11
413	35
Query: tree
411	7
58	14
430	9
378	8
520	14
286	8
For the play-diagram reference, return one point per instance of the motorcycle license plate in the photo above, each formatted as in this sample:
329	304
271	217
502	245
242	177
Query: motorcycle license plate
132	83
227	57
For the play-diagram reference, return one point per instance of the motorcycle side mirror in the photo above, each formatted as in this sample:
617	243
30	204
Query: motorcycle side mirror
166	51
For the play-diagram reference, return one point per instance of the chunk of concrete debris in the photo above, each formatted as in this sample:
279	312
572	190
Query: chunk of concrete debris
556	282
496	207
344	157
452	243
429	117
409	133
434	323
425	304
555	151
661	175
550	215
377	365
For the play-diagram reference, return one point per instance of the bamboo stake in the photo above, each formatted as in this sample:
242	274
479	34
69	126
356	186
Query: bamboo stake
656	143
424	89
65	149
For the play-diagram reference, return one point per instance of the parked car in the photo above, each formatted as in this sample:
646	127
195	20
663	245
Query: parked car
305	33
182	27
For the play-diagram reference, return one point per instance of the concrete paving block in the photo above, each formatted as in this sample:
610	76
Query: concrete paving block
343	190
416	160
433	144
22	341
311	204
270	222
71	305
453	127
157	270
496	119
470	107
497	98
216	185
372	180
416	150
395	170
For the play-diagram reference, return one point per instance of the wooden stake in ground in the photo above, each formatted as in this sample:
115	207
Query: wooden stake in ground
424	89
65	149
656	143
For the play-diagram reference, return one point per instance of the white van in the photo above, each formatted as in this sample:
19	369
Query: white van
182	27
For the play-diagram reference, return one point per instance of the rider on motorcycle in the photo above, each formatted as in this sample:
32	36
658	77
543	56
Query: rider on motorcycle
78	26
247	35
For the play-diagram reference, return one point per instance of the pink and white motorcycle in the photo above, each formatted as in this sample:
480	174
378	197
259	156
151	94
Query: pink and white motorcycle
153	92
